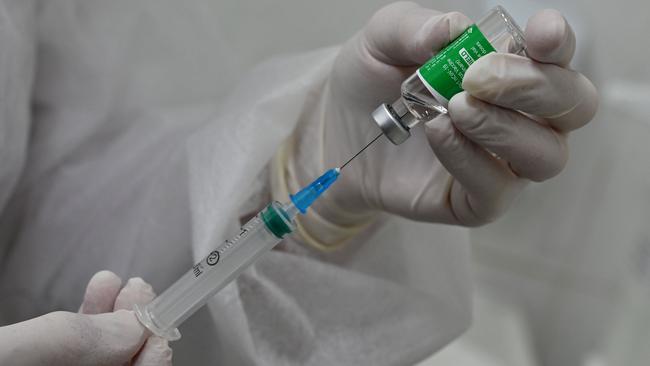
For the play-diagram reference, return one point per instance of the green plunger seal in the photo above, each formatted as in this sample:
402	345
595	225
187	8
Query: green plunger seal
276	221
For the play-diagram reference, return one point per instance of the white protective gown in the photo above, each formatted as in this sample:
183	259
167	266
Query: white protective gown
147	142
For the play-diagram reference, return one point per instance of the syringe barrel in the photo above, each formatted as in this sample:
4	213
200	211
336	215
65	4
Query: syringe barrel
167	311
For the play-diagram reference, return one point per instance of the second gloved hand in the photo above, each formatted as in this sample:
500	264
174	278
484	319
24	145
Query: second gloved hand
509	127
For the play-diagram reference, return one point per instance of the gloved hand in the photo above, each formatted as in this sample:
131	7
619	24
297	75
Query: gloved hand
103	333
509	126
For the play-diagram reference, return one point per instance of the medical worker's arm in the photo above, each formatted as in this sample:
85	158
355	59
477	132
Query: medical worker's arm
508	128
104	332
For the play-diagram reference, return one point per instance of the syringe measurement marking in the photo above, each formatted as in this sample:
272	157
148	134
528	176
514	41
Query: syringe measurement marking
197	268
229	243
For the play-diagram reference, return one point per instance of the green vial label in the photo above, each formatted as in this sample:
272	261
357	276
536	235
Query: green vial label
443	74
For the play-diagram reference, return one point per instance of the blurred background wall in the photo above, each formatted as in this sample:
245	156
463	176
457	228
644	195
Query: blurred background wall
571	258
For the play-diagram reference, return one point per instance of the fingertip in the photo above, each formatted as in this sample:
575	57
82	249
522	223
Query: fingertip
468	114
105	277
445	140
135	292
439	131
593	99
458	23
588	108
549	38
163	349
461	107
156	351
138	283
488	71
583	112
100	293
436	32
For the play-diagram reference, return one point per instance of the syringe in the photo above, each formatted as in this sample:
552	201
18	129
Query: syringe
166	312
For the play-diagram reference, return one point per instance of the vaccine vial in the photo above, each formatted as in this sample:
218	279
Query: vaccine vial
427	92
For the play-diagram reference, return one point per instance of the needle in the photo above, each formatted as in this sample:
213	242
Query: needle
360	151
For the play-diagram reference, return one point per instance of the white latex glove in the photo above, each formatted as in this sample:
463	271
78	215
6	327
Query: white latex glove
463	183
103	333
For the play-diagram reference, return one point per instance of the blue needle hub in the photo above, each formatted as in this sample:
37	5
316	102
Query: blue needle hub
305	197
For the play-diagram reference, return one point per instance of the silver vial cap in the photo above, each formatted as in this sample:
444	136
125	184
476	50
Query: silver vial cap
390	124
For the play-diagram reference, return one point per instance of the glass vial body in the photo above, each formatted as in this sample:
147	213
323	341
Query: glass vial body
420	102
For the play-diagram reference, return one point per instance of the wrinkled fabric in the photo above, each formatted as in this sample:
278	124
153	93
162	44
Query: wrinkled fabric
17	42
147	140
